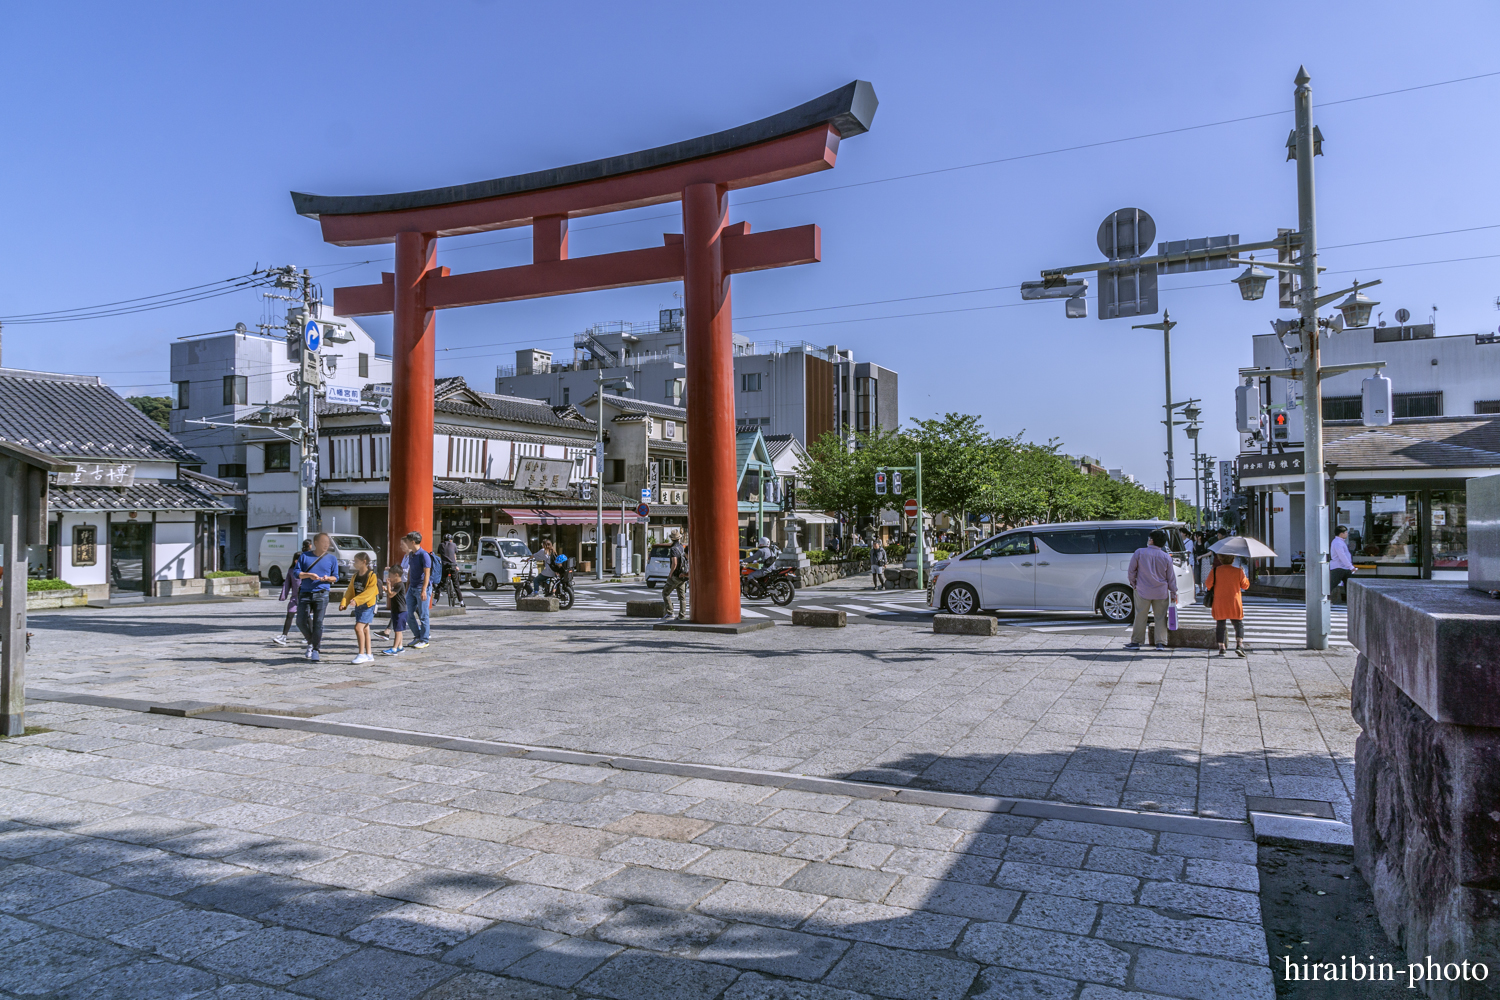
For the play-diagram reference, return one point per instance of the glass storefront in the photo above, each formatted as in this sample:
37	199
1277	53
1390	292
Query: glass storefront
1450	532
1387	533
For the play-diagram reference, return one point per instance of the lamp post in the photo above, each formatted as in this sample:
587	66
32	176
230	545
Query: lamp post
1298	253
1192	412
1165	326
599	384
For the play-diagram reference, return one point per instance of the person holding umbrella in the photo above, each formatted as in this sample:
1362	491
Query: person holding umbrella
1224	583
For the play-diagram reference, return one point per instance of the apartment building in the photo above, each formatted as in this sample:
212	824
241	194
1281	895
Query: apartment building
792	388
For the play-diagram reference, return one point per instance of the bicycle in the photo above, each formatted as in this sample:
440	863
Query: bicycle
449	586
560	586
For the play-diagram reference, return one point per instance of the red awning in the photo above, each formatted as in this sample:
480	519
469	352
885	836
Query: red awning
542	515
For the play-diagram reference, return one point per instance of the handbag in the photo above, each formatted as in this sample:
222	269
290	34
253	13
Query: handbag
1208	592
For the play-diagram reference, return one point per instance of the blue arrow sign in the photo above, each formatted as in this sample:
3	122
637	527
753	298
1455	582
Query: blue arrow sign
312	336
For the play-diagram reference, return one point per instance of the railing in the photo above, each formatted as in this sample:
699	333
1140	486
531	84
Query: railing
580	342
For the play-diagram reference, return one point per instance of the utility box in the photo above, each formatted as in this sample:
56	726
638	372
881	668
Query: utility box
1483	512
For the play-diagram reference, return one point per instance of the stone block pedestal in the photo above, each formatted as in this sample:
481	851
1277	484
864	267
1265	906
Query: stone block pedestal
1426	824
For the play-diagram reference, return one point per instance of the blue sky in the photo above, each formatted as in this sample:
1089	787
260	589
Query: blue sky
151	147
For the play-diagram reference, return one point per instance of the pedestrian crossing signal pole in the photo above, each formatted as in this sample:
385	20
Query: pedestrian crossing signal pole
893	474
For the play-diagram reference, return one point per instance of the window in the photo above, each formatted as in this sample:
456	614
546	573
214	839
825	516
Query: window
1018	544
278	456
1487	406
364	366
674	391
236	390
1342	407
1071	543
182	395
567	393
750	382
232	470
1125	539
1418	404
86	543
616	467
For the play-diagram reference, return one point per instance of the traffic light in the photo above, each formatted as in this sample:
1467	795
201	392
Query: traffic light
1247	408
896	483
880	484
1279	425
1375	401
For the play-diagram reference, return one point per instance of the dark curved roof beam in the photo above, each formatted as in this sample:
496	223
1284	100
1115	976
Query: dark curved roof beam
790	144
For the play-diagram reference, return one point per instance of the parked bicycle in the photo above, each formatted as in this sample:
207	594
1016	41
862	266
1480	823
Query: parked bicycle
559	586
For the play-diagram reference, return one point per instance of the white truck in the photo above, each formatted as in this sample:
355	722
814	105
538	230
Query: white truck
501	561
279	548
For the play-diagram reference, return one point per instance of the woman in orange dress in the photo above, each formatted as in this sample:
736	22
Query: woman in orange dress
1226	581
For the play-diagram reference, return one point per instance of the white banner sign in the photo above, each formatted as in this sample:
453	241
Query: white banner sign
98	475
345	395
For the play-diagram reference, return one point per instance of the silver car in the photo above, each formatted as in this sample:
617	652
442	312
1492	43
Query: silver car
1075	566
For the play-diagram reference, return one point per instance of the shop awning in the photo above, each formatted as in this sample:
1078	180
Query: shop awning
537	515
810	517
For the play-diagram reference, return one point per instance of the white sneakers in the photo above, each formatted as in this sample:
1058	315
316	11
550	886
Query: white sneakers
280	640
363	658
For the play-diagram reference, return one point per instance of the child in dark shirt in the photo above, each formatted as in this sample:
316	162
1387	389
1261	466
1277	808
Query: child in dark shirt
395	602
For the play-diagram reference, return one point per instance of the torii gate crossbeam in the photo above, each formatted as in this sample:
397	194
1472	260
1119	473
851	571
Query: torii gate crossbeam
699	173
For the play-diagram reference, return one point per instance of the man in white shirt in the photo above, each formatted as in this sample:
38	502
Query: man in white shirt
1340	565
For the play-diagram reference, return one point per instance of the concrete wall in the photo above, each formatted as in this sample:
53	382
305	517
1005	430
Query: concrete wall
98	573
175	555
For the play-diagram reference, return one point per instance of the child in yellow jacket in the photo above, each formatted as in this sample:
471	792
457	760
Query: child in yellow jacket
364	593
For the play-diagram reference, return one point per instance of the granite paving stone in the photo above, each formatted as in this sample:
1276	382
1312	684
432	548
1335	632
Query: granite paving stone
775	951
1050	952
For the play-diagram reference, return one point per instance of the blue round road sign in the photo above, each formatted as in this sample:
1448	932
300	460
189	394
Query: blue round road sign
644	510
312	336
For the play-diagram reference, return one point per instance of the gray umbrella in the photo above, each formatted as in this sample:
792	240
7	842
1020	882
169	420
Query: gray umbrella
1242	546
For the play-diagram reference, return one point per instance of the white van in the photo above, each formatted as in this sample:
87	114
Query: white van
279	548
500	561
1078	566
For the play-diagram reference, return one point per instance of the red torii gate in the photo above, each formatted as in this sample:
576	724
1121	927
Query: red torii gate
700	173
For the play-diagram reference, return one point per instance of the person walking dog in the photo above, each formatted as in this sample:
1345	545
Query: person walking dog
1222	588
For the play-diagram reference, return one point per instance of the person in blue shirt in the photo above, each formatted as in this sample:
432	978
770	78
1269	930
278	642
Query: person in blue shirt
419	564
316	570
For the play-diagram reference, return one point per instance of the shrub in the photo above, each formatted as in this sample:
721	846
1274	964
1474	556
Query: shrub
219	574
33	585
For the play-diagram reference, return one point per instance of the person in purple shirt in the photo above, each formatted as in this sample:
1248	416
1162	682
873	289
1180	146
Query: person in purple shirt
1340	564
1154	580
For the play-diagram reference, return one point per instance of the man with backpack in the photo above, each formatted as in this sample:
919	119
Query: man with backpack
677	577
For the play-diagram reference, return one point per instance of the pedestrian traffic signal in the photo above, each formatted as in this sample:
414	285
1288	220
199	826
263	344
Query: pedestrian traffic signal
1279	425
880	484
896	483
1247	408
1375	408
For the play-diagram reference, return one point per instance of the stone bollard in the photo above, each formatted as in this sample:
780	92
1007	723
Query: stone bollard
1426	694
965	625
536	604
645	609
1191	637
818	619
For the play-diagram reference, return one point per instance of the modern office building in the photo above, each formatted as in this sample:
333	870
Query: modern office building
225	377
1400	489
780	388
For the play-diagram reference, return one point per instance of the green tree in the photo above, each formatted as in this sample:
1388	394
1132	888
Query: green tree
958	459
158	408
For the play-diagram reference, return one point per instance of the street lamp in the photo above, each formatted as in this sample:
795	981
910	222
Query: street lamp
1356	308
1252	281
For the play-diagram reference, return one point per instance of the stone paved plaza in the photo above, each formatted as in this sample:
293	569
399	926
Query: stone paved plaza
158	857
1068	717
550	807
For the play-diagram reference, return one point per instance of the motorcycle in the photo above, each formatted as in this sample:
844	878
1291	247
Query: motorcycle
559	586
779	583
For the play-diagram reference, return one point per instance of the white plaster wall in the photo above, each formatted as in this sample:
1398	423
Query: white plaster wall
174	557
82	575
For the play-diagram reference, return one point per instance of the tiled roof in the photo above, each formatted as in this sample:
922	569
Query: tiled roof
631	404
87	420
1380	448
162	496
1482	432
452	395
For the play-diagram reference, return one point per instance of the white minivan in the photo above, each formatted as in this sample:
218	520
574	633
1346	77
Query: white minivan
279	548
500	562
1077	566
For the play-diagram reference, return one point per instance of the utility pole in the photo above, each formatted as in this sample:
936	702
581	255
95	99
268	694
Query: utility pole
306	380
1315	501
